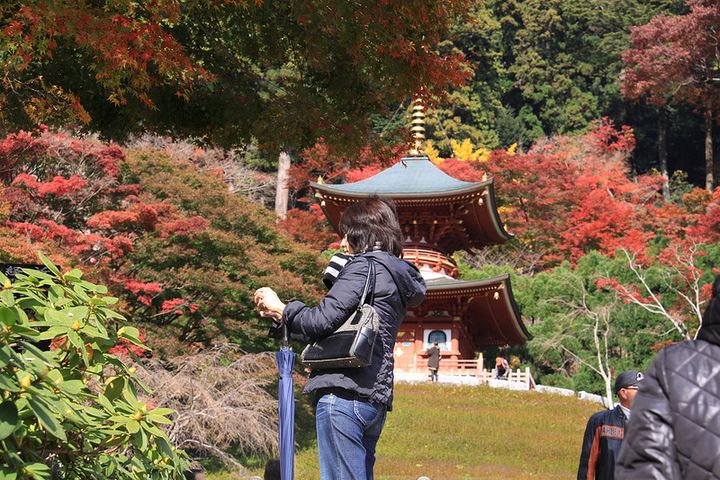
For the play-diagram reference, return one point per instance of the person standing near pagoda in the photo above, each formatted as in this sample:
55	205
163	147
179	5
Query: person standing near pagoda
351	403
433	354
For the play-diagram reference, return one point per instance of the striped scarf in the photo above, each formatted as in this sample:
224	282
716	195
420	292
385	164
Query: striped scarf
337	263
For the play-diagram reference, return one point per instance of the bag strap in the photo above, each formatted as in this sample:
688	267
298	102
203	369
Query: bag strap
369	286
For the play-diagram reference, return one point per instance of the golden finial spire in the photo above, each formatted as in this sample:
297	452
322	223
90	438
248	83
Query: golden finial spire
418	127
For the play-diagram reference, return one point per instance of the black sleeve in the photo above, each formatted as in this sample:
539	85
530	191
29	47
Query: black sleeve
339	303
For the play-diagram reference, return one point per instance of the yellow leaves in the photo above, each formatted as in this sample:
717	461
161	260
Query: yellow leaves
466	151
511	149
432	153
115	99
463	151
505	210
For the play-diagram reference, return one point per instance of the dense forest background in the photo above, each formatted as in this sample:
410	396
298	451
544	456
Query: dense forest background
165	150
546	68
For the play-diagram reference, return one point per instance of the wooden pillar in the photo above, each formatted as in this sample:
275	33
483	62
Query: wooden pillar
480	368
418	347
527	377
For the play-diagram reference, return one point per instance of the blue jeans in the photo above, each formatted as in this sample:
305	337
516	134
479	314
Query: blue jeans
347	432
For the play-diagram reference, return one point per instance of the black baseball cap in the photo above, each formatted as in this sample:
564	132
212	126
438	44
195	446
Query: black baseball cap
628	378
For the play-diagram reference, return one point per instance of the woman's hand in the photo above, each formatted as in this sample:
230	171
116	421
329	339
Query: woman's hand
268	303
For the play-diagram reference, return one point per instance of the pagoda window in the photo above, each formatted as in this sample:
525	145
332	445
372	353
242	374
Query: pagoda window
442	337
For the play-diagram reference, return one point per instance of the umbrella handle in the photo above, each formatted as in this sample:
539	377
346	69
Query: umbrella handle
285	334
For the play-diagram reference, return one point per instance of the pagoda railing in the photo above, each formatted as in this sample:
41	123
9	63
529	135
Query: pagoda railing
437	261
468	368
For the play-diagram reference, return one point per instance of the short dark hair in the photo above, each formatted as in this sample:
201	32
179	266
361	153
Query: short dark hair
372	224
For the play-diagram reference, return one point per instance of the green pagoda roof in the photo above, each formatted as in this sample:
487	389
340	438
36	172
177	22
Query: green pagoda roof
466	211
410	177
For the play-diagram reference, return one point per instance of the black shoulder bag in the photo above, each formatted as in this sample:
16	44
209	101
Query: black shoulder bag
351	345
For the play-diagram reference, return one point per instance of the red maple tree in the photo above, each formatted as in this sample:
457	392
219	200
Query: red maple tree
677	58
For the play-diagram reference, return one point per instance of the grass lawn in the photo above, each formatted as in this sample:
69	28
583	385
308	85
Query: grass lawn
472	433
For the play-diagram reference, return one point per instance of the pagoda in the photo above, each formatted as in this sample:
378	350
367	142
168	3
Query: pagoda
439	215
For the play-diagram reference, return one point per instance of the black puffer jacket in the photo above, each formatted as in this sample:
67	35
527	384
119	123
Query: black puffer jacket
674	430
398	285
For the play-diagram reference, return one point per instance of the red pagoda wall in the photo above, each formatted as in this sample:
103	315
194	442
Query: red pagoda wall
412	342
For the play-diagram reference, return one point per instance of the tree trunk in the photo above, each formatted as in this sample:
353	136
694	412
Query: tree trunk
601	349
282	193
662	152
609	393
709	150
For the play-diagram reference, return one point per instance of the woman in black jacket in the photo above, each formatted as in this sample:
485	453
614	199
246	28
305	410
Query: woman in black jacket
352	402
674	432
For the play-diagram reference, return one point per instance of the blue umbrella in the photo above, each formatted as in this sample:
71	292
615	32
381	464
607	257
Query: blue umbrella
285	359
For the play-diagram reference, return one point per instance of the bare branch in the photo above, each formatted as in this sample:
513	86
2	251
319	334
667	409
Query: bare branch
220	401
657	306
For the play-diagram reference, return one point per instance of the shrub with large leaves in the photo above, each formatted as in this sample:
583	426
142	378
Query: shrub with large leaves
70	409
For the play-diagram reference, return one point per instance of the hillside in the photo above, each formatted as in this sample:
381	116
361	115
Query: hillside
474	433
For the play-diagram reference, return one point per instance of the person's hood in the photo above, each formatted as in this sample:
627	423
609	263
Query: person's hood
407	277
710	329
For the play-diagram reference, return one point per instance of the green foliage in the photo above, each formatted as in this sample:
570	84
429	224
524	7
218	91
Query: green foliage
213	272
551	302
72	411
539	68
679	186
558	306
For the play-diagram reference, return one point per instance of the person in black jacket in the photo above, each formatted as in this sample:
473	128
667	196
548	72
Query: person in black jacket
675	430
605	431
352	402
